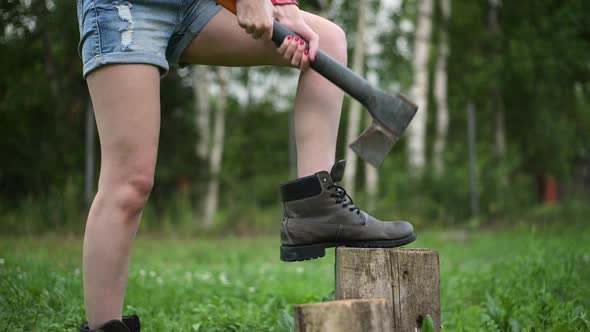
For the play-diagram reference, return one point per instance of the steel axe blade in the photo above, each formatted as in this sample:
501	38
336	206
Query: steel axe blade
374	144
391	114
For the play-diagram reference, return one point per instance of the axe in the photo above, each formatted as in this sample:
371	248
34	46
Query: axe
391	114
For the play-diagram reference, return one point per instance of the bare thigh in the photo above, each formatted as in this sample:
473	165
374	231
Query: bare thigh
126	100
223	42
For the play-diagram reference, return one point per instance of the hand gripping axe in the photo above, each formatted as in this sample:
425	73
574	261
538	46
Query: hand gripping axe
391	114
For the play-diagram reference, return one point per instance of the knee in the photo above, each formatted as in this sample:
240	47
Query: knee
333	41
135	192
130	195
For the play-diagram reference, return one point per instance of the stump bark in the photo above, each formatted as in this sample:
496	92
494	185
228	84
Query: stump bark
408	279
343	316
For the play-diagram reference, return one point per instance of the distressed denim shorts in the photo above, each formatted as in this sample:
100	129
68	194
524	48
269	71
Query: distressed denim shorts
154	32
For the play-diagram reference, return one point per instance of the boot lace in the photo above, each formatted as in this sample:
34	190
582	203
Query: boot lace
343	198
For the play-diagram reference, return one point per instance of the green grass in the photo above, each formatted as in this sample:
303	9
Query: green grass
523	279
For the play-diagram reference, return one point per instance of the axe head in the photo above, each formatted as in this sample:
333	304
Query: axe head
374	144
391	116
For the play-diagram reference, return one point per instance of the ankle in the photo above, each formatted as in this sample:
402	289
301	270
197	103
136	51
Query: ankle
313	166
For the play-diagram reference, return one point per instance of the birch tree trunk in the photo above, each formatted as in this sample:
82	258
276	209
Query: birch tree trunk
496	94
203	110
419	89
202	106
440	88
354	113
212	198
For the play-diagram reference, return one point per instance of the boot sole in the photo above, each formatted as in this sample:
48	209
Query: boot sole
313	251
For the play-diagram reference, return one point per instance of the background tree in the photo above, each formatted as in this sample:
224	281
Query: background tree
495	92
202	105
215	158
440	87
354	112
416	132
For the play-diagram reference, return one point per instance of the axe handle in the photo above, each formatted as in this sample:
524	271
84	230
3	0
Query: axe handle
347	80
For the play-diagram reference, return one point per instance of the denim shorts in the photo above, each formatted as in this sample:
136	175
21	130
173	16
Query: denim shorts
145	31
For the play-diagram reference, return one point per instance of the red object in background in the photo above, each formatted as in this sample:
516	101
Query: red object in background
550	190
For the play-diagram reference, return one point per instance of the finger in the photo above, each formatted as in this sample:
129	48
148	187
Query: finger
313	47
242	23
304	66
292	48
296	59
284	45
289	45
312	38
249	29
267	35
257	33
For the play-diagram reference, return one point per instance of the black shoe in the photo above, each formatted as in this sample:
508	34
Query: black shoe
129	324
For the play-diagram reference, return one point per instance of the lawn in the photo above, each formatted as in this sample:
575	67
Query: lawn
523	279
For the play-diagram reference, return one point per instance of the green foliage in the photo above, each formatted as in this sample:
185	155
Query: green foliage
330	297
427	324
59	211
445	199
256	160
523	279
529	285
42	98
286	322
535	61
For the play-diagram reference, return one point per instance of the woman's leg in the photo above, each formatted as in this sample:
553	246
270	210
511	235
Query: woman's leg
126	101
318	102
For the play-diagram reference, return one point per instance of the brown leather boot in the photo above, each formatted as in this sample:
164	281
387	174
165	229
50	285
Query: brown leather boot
129	324
319	214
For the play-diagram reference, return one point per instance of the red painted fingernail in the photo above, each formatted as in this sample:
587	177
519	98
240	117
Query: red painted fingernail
297	38
302	42
306	52
288	37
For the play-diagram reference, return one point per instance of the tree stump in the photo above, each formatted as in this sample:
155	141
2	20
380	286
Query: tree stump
343	316
408	279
